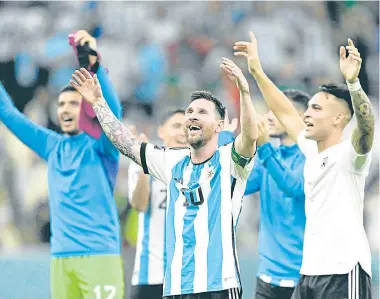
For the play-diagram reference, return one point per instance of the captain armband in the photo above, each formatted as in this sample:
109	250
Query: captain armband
239	159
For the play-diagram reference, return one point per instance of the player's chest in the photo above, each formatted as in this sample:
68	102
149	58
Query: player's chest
321	172
198	182
71	156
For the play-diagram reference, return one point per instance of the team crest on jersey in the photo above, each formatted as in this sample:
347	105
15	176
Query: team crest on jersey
324	162
210	172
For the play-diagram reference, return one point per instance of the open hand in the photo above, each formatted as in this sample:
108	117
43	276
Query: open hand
235	74
87	86
350	66
249	50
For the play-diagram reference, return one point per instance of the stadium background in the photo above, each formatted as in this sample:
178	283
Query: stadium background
157	53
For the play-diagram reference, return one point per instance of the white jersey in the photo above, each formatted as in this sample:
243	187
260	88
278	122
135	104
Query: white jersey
149	259
203	206
335	240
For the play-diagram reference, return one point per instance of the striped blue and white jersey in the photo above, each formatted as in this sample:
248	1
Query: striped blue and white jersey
149	260
203	206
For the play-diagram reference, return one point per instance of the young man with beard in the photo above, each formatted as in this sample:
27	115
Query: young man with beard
85	241
336	255
148	196
278	176
205	185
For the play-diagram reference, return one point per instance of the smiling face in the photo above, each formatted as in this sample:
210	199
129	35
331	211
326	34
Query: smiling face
69	103
202	123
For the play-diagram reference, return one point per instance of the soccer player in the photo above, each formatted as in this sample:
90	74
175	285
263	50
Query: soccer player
205	186
148	196
336	255
278	176
85	241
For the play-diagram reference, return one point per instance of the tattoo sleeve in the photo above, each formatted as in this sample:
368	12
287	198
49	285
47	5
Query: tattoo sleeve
119	135
362	137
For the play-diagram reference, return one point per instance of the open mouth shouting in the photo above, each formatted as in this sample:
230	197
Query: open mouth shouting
308	124
67	120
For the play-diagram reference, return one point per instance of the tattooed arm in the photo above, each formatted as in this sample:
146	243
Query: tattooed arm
362	137
363	134
116	132
119	134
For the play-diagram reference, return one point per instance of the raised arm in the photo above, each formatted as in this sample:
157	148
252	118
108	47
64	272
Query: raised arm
113	102
363	134
37	138
281	106
245	142
118	134
80	38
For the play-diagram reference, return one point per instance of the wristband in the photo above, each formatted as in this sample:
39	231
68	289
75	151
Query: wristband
354	86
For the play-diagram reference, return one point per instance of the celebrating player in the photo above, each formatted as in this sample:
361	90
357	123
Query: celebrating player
148	196
336	257
278	176
85	241
205	186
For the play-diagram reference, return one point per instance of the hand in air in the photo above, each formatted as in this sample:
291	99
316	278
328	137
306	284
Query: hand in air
87	85
350	66
81	37
235	74
249	50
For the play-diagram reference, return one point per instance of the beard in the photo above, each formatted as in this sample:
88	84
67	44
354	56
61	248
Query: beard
196	144
199	141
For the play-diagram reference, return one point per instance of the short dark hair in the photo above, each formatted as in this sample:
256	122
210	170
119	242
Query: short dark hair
169	114
220	109
298	96
340	91
67	88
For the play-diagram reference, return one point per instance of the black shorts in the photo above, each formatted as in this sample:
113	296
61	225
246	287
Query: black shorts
354	285
269	291
226	294
145	291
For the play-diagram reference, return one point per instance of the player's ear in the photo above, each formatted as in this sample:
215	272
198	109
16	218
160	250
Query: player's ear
338	119
220	126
